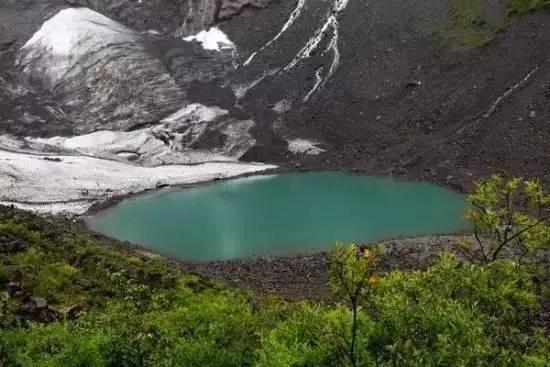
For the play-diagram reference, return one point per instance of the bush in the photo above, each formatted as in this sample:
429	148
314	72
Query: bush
456	314
141	312
509	216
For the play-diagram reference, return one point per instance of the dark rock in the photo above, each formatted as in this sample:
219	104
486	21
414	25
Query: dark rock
6	45
32	306
14	288
72	311
77	2
37	309
10	245
39	302
414	83
52	159
230	8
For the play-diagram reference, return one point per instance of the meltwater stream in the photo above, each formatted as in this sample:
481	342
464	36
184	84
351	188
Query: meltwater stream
280	214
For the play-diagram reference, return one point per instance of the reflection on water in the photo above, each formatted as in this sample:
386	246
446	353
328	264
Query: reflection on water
281	214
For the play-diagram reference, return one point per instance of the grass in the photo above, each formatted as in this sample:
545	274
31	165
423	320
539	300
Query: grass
467	27
140	311
522	7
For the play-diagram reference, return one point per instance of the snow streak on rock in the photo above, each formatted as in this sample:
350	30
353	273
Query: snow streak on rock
324	41
329	27
499	100
188	19
293	16
318	81
241	90
508	92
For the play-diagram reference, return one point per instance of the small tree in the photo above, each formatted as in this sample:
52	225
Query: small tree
352	274
508	215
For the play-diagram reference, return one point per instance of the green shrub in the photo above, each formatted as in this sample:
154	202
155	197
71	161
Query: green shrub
508	216
310	336
456	314
521	7
55	282
141	312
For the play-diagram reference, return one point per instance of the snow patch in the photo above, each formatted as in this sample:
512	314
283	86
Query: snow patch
282	106
196	111
297	146
212	39
69	35
101	69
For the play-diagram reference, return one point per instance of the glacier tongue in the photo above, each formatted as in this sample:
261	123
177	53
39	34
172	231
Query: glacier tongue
101	70
178	139
125	96
72	184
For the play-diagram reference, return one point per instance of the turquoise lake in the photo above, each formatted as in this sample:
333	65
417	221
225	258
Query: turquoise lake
280	214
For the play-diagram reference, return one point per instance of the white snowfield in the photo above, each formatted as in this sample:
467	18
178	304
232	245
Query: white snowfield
72	184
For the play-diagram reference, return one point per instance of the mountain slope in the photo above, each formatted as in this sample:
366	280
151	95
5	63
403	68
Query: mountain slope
439	90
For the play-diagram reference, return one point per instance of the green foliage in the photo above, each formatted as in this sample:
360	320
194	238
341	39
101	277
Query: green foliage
475	23
66	266
521	7
467	27
141	312
509	215
352	275
351	271
309	336
54	282
455	314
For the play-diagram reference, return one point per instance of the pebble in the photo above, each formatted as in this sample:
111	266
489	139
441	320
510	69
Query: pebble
532	114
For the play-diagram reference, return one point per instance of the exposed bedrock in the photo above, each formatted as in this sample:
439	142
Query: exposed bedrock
179	17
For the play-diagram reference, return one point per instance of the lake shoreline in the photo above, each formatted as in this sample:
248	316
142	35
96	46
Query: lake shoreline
294	276
102	205
280	214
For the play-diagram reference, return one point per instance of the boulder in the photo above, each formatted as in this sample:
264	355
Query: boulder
10	245
14	288
72	311
37	309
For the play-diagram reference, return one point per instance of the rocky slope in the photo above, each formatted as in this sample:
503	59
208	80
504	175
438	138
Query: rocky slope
417	88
